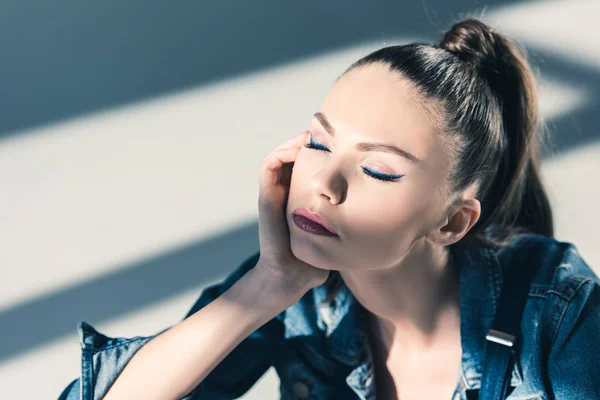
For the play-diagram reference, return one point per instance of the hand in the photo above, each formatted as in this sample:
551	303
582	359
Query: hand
275	251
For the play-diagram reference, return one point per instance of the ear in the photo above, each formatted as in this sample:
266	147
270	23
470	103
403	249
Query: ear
458	222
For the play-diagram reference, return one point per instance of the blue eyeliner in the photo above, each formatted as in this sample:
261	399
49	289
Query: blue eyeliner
368	171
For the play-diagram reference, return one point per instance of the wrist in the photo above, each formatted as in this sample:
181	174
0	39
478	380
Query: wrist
281	283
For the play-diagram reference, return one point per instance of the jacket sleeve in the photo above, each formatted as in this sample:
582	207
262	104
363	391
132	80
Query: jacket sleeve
574	359
246	363
103	358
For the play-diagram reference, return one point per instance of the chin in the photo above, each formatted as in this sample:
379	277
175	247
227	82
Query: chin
312	256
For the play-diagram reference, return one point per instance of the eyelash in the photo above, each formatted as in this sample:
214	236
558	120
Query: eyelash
370	173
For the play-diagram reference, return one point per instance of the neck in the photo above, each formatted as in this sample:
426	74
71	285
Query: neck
413	305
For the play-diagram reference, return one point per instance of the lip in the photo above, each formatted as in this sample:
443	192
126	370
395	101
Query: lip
315	218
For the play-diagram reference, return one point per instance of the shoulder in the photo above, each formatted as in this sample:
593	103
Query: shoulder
564	281
560	266
561	319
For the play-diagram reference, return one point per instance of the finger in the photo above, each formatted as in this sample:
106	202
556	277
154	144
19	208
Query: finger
285	177
294	142
276	159
271	168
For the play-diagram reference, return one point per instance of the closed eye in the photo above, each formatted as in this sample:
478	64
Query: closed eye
368	171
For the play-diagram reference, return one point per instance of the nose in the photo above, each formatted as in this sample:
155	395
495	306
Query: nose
330	183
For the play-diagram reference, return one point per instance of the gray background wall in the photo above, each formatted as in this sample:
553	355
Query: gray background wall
131	134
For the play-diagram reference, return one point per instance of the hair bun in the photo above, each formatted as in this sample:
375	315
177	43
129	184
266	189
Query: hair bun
475	43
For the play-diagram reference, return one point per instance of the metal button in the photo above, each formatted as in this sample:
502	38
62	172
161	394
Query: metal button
301	389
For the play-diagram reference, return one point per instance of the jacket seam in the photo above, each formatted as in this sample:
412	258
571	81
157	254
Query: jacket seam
87	385
537	290
568	302
560	294
114	346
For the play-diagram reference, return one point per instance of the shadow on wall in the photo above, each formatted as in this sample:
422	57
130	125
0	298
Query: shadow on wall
74	58
131	287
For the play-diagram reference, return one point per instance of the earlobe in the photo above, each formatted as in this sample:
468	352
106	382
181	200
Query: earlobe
458	224
439	236
447	237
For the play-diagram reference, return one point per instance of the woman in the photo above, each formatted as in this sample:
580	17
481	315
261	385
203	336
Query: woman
423	164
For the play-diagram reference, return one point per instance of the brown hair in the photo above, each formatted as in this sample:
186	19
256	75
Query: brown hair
484	88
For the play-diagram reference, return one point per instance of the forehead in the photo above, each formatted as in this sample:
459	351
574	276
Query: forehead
377	104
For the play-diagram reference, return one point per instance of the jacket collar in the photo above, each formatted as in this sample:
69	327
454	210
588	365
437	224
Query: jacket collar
343	321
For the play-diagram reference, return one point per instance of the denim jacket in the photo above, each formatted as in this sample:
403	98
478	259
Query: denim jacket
320	350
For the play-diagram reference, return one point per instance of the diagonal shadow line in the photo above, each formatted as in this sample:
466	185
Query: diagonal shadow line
151	281
132	287
578	127
77	58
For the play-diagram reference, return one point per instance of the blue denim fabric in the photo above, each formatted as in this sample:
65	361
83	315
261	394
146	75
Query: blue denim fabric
321	351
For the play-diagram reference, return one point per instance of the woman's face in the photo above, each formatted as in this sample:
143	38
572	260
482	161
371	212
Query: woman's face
377	221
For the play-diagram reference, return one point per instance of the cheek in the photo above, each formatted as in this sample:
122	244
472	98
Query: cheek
384	223
375	216
385	206
379	241
299	175
303	169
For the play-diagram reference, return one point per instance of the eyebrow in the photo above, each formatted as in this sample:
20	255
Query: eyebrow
369	146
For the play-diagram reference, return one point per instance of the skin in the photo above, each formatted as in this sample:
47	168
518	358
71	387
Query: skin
391	250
